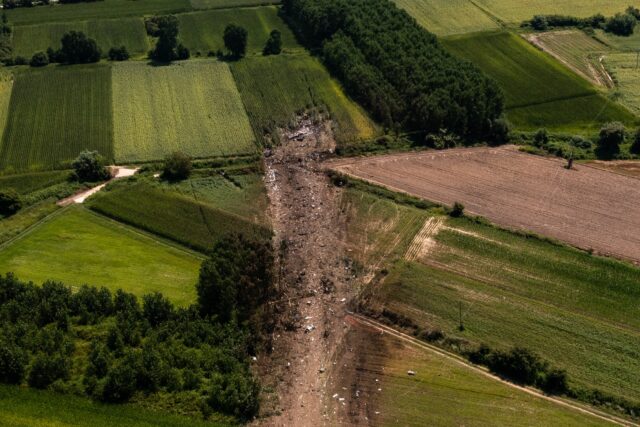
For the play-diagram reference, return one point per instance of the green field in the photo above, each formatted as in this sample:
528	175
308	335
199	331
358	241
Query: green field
16	224
77	246
202	31
445	18
573	309
219	4
129	32
539	90
20	407
54	114
627	44
516	11
442	392
26	183
623	68
193	107
104	9
276	88
6	86
177	217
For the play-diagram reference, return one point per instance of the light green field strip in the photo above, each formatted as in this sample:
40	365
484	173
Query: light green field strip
54	114
78	247
445	18
219	4
6	86
128	32
625	69
627	44
516	11
190	106
202	31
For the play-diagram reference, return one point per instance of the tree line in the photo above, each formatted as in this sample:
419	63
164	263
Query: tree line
396	69
145	347
621	24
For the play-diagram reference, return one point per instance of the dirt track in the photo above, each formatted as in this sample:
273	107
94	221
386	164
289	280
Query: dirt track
586	207
315	278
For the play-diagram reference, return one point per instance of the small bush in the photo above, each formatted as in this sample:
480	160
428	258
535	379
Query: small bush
20	60
10	202
519	365
457	211
182	52
622	24
274	44
39	59
555	382
119	53
119	384
90	167
541	138
45	369
611	136
235	394
635	146
177	166
12	363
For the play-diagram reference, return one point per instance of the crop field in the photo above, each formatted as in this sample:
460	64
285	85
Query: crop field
273	101
171	215
626	44
449	17
220	4
516	190
95	10
623	167
623	67
202	31
78	246
516	11
26	183
27	407
577	51
56	113
193	107
443	392
129	32
6	86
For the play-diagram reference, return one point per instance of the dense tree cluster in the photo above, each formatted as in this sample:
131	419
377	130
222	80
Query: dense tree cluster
10	202
89	166
621	24
198	354
235	40
76	48
177	166
397	70
167	48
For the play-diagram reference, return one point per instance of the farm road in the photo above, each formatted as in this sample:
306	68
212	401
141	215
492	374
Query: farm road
117	173
586	207
315	277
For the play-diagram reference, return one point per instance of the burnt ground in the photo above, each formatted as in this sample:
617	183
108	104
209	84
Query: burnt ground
315	279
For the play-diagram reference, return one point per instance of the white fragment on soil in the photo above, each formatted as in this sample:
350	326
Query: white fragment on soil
321	370
411	373
335	395
343	300
309	328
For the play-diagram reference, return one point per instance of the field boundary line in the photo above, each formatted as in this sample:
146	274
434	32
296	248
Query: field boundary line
27	231
490	14
145	234
461	361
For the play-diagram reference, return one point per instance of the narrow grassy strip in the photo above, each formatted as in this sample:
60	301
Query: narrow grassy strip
222	4
171	215
26	183
6	87
12	227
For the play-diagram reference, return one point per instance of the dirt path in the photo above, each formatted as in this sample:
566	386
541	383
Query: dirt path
116	172
314	279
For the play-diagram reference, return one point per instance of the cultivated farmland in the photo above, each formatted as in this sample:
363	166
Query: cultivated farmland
6	86
273	101
54	114
193	107
78	247
129	32
442	392
26	183
516	11
586	207
219	4
445	18
623	67
202	31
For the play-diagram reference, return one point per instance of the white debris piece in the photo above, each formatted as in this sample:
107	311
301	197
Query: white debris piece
411	373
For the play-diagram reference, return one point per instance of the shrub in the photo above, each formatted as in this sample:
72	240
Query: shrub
182	52
99	360
635	146
519	365
177	166
555	382
10	202
541	138
580	142
12	363
540	23
90	167
39	59
457	211
77	48
119	384
235	394
611	136
156	308
500	132
621	24
118	53
274	44
235	40
45	369
20	60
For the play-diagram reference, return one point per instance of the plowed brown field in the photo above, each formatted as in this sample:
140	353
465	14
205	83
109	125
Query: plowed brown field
585	207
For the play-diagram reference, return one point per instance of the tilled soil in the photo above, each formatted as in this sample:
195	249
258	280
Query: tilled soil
315	278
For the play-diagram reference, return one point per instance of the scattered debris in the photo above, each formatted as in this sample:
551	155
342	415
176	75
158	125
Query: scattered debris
411	373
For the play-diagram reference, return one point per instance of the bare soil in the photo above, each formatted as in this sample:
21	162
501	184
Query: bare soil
586	207
623	167
315	278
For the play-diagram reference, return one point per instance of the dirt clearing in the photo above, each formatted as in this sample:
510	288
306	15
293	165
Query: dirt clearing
586	207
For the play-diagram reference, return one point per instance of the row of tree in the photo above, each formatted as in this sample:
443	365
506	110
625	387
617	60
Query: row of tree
621	24
13	4
397	70
146	347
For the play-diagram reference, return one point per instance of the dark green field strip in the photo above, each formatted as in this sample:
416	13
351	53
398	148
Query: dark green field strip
108	33
172	216
55	113
95	10
202	31
26	183
223	4
526	75
28	407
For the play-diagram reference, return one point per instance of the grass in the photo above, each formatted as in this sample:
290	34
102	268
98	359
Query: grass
443	392
54	114
108	33
621	43
276	88
516	11
575	310
202	31
104	9
192	106
622	67
539	90
219	4
171	215
6	87
448	17
14	225
26	407
26	183
77	247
